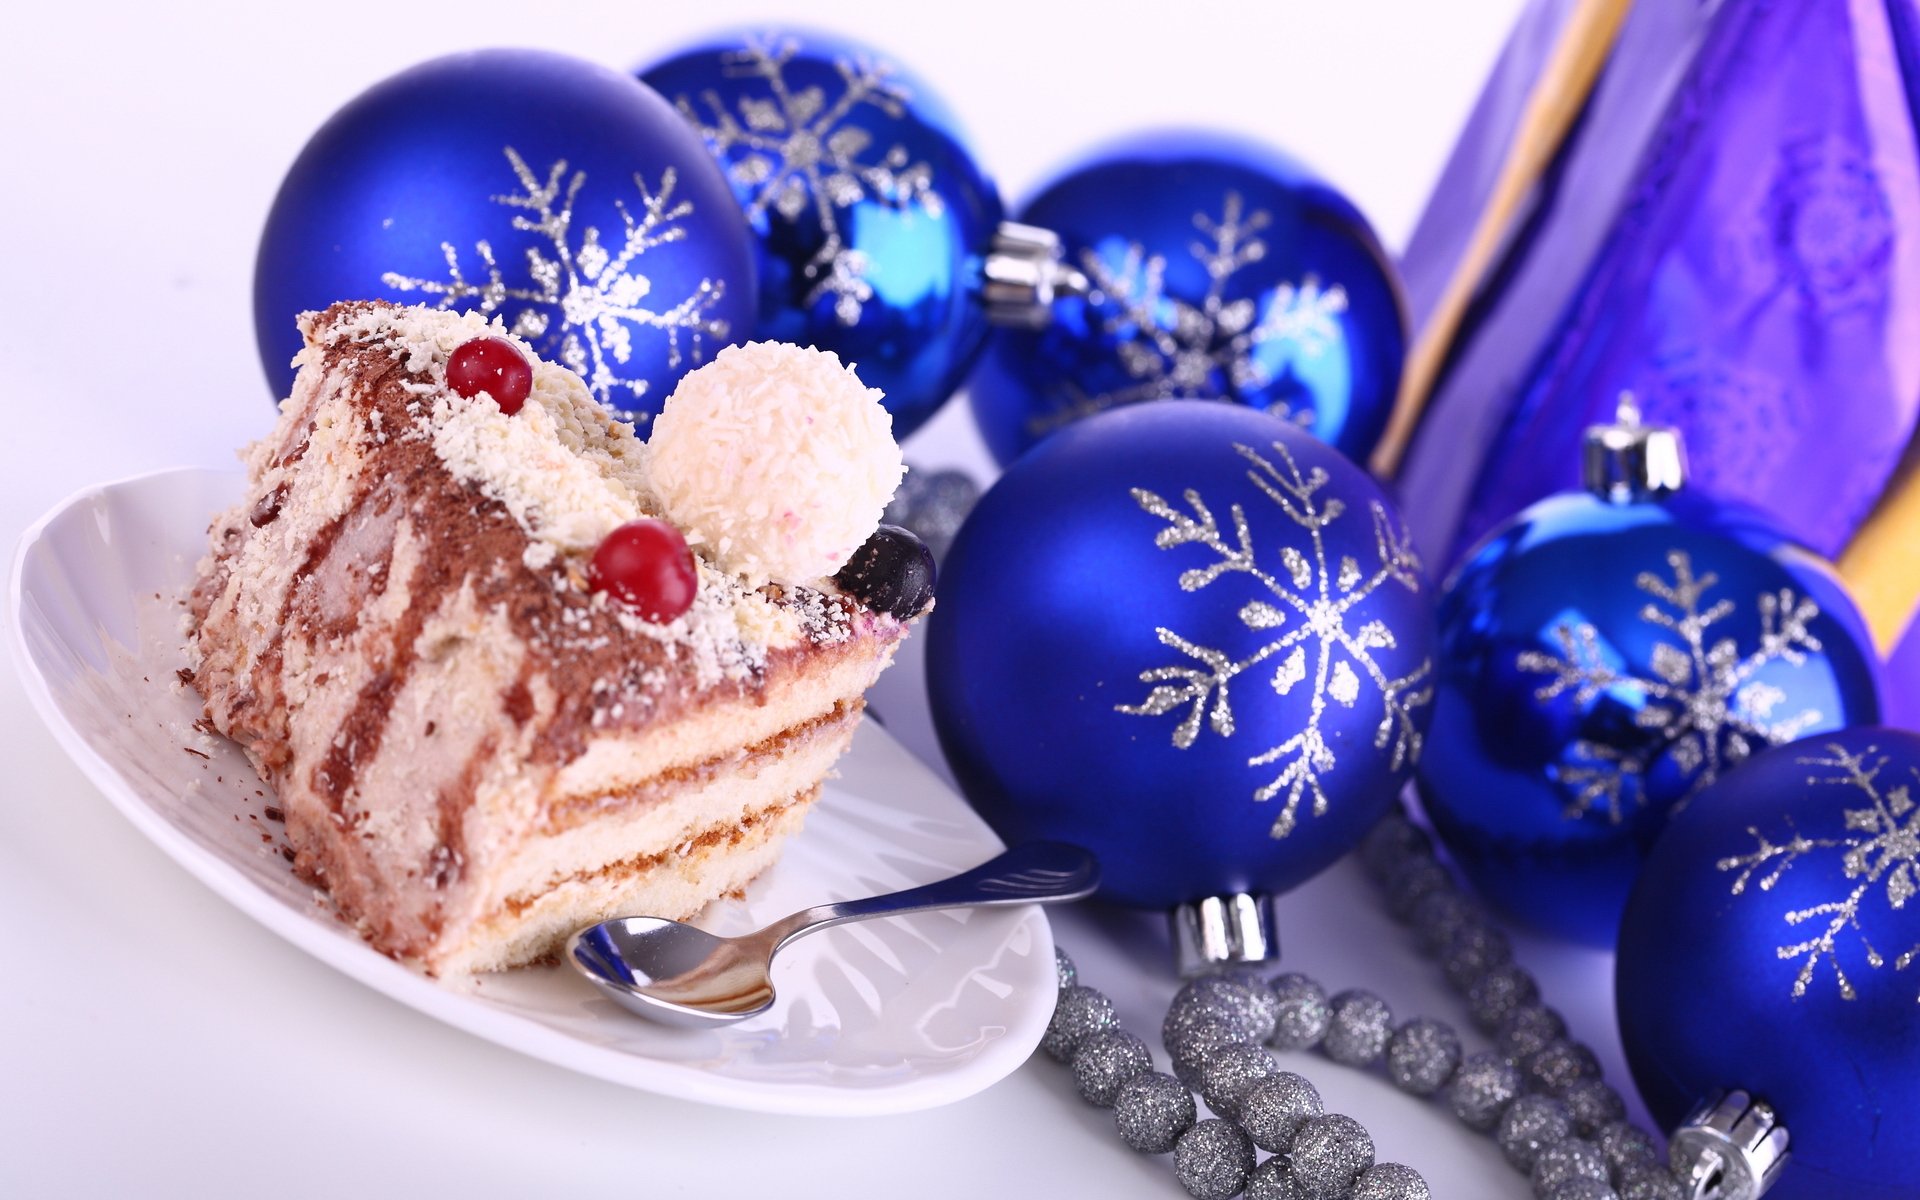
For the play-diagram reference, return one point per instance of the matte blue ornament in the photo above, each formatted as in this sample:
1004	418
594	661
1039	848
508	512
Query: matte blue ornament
1217	269
1604	657
1772	944
562	196
1189	637
872	216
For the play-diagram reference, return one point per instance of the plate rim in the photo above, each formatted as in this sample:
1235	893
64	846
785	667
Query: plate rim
357	961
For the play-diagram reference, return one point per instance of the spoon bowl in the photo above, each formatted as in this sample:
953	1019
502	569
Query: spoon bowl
674	973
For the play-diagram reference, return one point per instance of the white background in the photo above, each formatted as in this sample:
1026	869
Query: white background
153	1041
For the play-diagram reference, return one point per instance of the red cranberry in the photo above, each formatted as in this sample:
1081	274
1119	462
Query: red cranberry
493	366
647	565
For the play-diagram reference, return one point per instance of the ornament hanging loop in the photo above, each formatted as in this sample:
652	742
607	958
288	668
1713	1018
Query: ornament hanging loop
1024	274
1630	460
1732	1147
1222	931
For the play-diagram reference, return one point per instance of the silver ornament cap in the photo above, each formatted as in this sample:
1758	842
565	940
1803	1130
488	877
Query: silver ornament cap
1222	931
1732	1147
1630	460
1023	274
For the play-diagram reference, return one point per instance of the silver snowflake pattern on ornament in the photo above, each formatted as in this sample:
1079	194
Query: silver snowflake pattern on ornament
796	154
1701	706
1311	603
1882	845
593	284
1171	349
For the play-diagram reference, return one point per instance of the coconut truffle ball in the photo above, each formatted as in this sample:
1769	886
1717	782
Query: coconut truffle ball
775	460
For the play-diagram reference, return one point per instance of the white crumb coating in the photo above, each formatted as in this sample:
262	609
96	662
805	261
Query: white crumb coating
776	459
566	470
563	466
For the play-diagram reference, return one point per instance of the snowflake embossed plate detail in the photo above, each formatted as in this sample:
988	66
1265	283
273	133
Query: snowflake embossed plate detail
884	1016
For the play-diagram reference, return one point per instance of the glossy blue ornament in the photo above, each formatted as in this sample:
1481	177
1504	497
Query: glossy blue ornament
1604	657
1219	269
872	216
1189	637
1770	946
563	196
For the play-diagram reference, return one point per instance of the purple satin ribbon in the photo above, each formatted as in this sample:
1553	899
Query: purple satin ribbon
1732	232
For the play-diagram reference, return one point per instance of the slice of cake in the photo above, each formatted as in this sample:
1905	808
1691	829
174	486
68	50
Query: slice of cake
457	624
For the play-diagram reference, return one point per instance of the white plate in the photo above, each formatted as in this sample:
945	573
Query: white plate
884	1016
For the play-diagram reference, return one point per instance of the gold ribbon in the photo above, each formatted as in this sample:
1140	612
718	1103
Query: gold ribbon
1881	565
1551	109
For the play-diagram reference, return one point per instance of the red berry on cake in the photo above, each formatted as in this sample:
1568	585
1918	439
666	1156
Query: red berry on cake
647	566
493	366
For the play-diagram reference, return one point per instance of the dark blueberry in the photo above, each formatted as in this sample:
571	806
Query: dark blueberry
892	573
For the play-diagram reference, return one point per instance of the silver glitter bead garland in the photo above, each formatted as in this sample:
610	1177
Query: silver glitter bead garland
1361	1025
1327	1155
1474	950
1303	1016
1274	1109
1652	1183
1571	1100
1063	969
1077	1013
1151	1111
1318	1156
1583	1189
1528	1030
1211	1027
1190	1043
1248	1007
1230	1073
1270	1181
1422	1055
1594	1105
1213	1159
1567	1159
1627	1147
1495	995
1530	1125
1413	881
1441	914
1560	1065
1104	1061
1391	1181
1482	1089
1392	841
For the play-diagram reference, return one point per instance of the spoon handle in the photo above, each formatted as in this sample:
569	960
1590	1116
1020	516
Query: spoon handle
1030	873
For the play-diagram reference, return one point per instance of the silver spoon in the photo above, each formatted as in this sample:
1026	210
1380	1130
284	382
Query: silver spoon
673	973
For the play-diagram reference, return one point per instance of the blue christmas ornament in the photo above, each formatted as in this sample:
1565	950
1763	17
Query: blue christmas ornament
1216	269
872	216
1771	946
1608	654
563	196
1189	637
